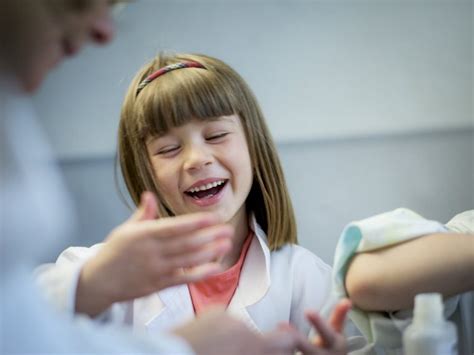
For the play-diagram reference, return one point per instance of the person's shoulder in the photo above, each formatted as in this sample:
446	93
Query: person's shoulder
307	277
301	258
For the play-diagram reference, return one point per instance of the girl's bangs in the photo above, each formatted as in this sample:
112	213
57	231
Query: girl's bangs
180	96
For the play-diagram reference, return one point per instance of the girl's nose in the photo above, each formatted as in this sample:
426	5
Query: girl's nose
197	158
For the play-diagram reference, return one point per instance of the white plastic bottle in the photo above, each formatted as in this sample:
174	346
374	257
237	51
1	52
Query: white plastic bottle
430	333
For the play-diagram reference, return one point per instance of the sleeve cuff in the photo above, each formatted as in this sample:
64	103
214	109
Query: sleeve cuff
59	284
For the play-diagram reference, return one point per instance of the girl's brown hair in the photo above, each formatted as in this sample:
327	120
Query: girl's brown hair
181	95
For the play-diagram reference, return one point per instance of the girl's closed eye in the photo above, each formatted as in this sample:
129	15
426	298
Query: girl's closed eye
168	150
217	137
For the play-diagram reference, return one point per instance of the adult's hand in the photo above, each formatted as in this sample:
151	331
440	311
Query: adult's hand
330	339
215	333
146	254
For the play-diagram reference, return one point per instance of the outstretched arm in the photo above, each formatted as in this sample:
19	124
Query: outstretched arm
388	279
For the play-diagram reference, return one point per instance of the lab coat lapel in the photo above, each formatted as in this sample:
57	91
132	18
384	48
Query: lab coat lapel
254	279
171	307
238	309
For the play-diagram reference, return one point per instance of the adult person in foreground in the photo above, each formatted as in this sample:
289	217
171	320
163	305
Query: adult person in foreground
35	35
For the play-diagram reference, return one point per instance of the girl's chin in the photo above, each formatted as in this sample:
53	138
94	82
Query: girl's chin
193	209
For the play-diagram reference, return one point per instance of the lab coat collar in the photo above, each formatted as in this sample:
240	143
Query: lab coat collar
172	307
255	275
254	279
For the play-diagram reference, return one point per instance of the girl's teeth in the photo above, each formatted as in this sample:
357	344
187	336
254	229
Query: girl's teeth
207	186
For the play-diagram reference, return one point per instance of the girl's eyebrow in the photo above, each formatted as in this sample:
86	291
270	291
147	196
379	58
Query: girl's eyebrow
153	138
230	119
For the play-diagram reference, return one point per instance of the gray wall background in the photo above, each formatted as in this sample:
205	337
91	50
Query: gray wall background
370	103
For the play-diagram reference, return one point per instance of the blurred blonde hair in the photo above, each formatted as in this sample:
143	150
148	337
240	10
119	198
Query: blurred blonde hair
179	96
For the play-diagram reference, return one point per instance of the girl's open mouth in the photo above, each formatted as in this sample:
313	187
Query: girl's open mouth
206	191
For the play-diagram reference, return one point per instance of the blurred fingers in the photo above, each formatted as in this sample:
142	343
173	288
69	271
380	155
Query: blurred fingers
327	336
190	242
286	340
148	208
339	315
197	274
175	226
330	332
199	256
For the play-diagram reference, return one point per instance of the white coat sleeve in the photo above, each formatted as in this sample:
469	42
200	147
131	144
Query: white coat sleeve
35	328
58	281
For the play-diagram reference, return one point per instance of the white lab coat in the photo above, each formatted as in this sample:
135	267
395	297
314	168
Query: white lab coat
274	287
35	213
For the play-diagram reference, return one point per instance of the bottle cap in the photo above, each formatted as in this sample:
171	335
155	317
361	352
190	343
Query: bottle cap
428	309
